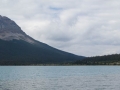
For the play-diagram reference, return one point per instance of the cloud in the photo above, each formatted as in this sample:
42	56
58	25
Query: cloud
82	27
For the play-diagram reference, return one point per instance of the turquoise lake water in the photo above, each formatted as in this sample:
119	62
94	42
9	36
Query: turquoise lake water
59	78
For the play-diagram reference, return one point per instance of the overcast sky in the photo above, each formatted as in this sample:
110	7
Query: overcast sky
82	27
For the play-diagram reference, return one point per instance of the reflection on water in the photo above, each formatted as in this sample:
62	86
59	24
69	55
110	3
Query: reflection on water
59	78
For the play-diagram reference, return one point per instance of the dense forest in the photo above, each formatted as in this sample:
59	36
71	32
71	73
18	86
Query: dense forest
18	52
113	59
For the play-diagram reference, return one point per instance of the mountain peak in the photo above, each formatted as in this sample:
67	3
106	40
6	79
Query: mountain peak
7	25
9	30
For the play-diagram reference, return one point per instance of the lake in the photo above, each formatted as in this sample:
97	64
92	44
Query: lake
59	78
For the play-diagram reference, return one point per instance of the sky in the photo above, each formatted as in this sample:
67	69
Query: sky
81	27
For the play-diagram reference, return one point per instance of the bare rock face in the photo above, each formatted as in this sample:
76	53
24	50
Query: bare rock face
9	30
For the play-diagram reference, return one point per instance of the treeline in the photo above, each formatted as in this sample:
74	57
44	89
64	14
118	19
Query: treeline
113	59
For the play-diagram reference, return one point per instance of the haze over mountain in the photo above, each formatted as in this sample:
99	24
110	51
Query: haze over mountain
16	47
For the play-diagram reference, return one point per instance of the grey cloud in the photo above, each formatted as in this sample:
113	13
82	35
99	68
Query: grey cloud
82	27
59	38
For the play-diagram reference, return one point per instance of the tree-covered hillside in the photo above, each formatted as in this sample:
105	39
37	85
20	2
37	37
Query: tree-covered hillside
113	59
18	52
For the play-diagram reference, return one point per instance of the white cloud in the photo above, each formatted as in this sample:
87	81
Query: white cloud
83	27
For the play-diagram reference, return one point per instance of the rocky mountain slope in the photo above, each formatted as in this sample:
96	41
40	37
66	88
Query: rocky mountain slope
9	30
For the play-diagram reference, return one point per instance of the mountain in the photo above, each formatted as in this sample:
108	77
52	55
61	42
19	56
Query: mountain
17	48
